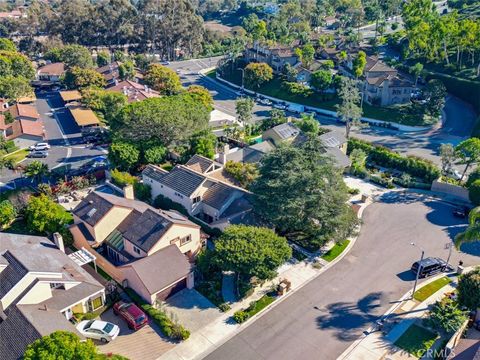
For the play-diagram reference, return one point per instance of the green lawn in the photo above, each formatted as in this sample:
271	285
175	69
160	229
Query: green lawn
426	291
336	250
212	73
259	305
416	340
273	88
17	156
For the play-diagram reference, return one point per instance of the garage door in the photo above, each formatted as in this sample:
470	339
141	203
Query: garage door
182	284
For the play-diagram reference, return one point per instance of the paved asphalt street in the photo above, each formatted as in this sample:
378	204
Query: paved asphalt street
62	133
324	317
460	117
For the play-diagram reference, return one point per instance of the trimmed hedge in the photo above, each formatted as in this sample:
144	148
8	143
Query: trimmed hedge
412	165
255	307
169	328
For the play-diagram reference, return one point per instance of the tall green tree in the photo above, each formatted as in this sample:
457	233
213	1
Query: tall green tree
162	121
468	151
103	58
469	289
472	233
436	94
306	55
163	79
7	213
302	194
244	108
123	156
202	94
80	78
36	170
44	216
359	64
448	156
13	88
257	74
72	56
251	251
416	70
321	79
107	104
203	143
126	70
349	110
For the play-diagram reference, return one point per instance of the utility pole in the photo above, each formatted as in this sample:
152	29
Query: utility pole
243	75
418	271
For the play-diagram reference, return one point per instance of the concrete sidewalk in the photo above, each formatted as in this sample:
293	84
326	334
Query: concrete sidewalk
375	345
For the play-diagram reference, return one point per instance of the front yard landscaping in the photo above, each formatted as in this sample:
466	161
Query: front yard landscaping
416	340
17	156
254	308
426	291
401	114
335	251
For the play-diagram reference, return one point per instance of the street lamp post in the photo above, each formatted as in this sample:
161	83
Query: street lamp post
243	75
418	270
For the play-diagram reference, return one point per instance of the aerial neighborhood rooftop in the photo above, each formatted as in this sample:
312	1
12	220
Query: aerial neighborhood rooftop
239	180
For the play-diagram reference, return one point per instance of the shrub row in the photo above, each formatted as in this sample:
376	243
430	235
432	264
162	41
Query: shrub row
165	203
255	307
167	326
412	165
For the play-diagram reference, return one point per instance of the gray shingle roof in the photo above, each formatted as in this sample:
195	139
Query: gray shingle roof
183	180
161	269
154	172
201	164
333	139
146	229
218	195
12	274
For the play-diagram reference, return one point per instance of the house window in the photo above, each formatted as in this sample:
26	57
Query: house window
396	92
96	303
185	240
136	249
179	195
196	199
57	286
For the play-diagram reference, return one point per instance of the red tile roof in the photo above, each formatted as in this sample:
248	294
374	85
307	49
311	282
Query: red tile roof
24	110
32	127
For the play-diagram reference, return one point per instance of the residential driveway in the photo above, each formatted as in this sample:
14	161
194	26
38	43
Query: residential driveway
323	318
192	309
144	344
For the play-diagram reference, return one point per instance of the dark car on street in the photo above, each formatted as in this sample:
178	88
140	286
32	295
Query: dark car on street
132	314
428	266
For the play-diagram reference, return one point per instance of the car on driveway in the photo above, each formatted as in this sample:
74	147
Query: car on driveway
39	146
131	313
38	154
98	330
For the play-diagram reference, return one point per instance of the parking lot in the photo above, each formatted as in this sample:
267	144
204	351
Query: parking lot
145	344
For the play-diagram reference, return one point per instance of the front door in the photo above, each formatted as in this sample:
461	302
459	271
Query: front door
68	314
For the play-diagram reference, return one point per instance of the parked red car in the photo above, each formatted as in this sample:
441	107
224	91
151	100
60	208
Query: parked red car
132	314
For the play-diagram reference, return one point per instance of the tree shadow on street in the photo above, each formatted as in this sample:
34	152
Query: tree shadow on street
350	319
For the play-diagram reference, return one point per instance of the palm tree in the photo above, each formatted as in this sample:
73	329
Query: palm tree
36	170
472	233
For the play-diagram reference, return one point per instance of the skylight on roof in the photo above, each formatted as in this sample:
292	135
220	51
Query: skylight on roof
91	212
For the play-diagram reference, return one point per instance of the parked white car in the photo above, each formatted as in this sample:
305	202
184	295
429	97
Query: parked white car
98	330
40	146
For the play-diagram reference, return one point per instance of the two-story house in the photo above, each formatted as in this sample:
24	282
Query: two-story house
139	246
40	290
198	186
277	56
384	85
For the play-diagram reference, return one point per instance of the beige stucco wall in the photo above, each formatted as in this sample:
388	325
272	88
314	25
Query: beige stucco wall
41	291
179	231
136	284
110	221
128	247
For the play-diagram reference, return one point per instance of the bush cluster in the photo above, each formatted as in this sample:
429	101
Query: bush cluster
122	179
170	329
414	166
254	308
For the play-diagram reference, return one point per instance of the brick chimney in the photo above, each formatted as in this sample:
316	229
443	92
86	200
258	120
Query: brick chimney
58	240
128	192
223	154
